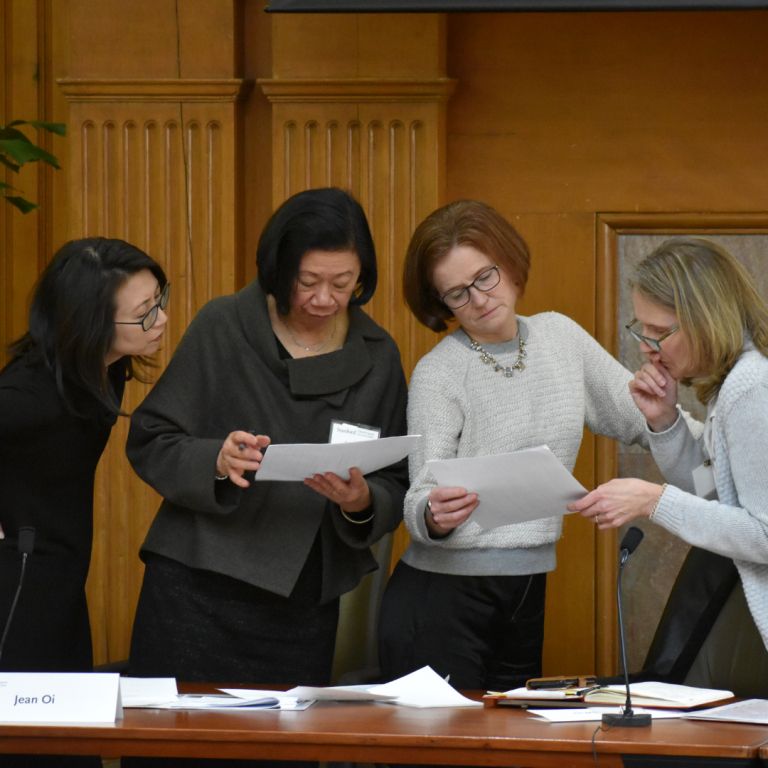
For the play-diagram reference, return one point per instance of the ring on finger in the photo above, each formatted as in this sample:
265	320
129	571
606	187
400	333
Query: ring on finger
431	513
597	519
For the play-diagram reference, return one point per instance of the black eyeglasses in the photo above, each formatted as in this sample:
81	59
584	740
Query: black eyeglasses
150	317
487	281
654	344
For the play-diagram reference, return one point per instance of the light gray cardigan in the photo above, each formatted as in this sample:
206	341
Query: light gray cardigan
737	524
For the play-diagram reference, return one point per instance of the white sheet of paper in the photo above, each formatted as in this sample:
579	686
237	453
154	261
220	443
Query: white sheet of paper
339	693
286	701
220	701
147	691
748	711
60	697
296	461
512	487
596	714
424	688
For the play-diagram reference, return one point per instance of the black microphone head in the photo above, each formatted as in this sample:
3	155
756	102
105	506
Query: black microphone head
631	540
26	540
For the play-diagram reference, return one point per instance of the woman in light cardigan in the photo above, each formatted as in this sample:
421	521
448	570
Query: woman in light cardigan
700	321
465	600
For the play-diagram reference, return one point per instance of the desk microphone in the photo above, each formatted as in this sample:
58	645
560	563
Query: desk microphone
26	547
627	717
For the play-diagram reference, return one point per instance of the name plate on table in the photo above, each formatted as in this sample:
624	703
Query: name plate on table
59	697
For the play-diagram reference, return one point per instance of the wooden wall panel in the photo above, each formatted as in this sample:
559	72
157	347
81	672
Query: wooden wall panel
557	118
159	174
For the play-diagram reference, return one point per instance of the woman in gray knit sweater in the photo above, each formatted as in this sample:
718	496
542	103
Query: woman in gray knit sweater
700	321
466	600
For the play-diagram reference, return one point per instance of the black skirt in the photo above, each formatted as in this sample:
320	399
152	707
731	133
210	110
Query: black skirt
200	626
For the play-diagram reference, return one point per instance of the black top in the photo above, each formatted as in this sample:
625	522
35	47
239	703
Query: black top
227	375
48	459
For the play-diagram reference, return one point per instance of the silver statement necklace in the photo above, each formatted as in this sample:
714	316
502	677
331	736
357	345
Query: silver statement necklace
312	349
508	371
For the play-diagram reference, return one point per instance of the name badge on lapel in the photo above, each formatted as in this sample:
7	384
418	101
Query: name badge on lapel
704	480
345	432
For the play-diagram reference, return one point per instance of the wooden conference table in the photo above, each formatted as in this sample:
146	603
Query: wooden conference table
377	733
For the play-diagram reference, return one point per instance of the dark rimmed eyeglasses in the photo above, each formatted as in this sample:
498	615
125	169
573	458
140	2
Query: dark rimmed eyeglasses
150	317
654	344
485	282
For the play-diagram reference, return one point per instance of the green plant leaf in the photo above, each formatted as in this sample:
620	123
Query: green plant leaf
24	151
59	129
8	164
6	132
3	185
23	205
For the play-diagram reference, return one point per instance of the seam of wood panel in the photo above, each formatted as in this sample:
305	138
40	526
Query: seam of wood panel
357	90
160	89
606	454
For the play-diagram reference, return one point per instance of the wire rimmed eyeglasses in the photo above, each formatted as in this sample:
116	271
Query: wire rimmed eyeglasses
485	282
150	317
654	344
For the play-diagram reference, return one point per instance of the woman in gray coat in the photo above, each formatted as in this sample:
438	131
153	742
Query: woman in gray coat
243	579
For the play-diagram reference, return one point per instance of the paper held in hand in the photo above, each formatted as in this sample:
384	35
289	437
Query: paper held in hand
295	462
512	487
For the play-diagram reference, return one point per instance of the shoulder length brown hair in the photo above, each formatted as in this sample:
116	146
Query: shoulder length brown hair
465	222
716	303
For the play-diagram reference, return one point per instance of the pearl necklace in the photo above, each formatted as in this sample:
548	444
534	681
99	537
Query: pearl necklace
312	349
508	371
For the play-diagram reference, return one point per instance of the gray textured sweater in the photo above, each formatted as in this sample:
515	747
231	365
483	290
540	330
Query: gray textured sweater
463	408
737	524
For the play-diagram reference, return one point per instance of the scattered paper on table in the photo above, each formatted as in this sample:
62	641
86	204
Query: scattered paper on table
596	714
339	693
297	461
424	688
748	711
286	701
512	487
219	701
147	691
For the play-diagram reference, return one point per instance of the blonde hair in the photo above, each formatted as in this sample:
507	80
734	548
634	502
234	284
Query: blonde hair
716	303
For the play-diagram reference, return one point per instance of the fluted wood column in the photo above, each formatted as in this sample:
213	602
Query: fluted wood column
152	162
384	141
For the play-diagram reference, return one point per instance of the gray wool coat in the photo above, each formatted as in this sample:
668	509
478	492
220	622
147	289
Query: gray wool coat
226	375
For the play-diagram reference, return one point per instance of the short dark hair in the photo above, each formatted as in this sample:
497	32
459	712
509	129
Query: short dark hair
327	219
465	222
72	315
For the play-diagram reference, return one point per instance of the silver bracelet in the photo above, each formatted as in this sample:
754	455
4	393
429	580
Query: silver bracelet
653	511
356	522
223	477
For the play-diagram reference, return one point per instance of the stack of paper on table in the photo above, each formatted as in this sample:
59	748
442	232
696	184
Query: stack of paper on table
423	688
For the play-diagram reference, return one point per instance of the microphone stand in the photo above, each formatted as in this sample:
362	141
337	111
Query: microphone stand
627	718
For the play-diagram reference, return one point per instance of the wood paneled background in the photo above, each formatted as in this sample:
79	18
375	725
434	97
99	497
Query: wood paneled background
190	120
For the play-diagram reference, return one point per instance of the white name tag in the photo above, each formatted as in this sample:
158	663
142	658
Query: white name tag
344	432
704	481
60	697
